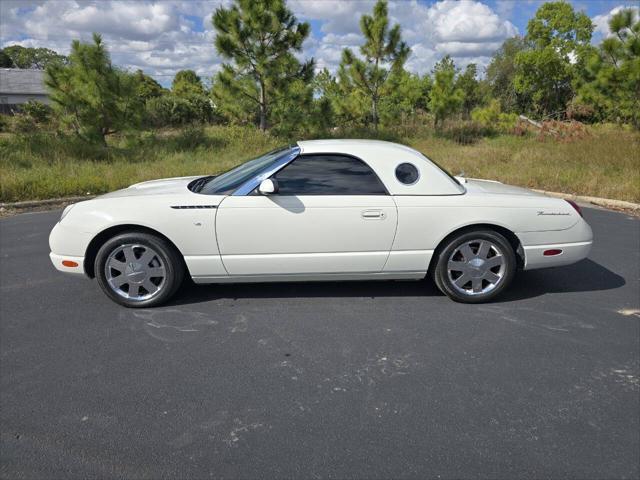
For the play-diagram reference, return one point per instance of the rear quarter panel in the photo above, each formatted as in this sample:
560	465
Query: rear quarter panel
424	221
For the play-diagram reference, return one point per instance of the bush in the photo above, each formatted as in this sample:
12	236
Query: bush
465	133
189	138
38	111
172	111
492	117
581	111
202	108
167	111
23	123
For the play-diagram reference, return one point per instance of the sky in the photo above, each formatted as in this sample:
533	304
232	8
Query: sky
162	37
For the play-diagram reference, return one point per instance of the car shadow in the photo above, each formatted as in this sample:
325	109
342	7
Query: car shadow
528	284
584	276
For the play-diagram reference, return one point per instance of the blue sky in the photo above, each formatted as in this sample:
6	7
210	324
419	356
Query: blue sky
164	36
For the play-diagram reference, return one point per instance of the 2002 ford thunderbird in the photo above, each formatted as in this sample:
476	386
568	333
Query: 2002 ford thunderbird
319	210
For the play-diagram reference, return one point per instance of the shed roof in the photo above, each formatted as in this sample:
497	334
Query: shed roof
22	81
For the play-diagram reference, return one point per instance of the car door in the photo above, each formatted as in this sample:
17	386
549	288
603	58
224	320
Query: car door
330	215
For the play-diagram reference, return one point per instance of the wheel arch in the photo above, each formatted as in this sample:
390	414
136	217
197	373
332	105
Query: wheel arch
511	237
99	240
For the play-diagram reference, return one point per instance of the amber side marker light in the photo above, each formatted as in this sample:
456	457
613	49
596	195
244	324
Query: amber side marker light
69	263
552	252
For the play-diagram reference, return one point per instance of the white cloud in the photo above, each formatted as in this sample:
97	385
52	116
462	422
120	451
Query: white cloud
467	30
157	37
504	8
337	16
328	50
164	36
601	22
466	49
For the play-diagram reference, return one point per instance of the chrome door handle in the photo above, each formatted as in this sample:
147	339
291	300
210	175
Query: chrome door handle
373	215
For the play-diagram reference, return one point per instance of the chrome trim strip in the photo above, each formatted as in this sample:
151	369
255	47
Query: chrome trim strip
182	207
247	187
310	277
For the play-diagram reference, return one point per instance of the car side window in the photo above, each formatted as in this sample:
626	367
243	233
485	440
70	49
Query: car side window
328	174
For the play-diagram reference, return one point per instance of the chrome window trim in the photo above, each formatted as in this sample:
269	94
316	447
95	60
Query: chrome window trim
250	185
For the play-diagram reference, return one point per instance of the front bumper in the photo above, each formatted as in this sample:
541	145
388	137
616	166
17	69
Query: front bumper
58	259
68	243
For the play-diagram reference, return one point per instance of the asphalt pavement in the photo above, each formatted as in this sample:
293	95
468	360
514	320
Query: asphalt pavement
336	380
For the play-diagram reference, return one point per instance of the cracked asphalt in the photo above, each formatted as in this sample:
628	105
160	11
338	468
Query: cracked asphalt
337	380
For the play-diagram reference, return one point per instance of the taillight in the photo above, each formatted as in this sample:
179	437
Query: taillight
575	206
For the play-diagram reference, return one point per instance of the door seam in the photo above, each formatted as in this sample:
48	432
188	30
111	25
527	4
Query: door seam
393	241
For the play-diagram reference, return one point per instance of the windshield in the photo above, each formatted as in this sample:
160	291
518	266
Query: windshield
228	182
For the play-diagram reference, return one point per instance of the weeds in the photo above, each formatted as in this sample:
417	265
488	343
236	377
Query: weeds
41	165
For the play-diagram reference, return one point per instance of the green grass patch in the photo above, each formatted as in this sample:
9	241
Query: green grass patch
44	165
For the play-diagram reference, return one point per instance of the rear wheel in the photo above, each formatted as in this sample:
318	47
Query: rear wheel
138	269
475	267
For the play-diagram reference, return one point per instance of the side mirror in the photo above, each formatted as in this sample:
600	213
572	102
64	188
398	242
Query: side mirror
268	187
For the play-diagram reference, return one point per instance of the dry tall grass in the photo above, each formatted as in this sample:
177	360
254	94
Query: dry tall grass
605	163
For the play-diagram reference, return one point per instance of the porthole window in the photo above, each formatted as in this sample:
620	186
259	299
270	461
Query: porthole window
407	173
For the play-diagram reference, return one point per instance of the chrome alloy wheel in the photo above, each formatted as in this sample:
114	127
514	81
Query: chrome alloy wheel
135	272
476	267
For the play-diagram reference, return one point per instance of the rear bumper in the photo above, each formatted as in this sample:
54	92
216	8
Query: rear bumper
571	253
58	259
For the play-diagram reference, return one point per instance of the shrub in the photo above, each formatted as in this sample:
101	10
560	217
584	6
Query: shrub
171	110
38	111
22	123
189	138
492	117
167	110
581	111
465	133
202	108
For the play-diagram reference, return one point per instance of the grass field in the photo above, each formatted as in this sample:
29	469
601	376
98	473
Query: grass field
605	163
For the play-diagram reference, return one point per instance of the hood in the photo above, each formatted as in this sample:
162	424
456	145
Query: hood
491	186
164	186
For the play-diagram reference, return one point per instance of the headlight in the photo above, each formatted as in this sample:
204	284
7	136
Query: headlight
65	211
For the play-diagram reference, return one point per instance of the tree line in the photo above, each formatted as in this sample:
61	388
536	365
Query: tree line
554	71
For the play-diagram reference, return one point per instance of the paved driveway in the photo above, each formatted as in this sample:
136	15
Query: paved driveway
367	380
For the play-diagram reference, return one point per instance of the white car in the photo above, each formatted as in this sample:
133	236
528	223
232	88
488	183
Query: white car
318	210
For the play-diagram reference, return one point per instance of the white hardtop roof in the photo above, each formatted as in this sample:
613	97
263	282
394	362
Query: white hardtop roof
343	145
384	157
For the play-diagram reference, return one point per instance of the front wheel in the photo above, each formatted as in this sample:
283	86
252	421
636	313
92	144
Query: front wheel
138	269
475	267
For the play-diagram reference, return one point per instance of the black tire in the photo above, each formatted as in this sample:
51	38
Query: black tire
163	258
481	272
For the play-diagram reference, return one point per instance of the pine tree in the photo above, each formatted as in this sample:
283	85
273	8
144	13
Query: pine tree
259	39
383	52
612	86
470	86
445	97
187	83
93	96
